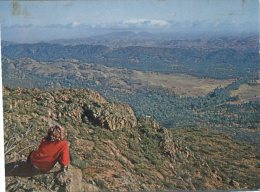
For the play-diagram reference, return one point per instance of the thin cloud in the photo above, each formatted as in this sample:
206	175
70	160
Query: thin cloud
75	24
147	23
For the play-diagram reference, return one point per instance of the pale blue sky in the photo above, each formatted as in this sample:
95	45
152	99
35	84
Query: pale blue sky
78	17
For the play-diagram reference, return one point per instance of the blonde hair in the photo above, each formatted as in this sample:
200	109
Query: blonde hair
56	133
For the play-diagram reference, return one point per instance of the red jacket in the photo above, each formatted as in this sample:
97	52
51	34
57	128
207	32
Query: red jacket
49	153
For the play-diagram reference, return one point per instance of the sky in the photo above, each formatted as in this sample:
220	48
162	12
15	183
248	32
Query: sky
25	21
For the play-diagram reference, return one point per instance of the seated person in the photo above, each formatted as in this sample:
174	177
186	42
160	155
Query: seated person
53	148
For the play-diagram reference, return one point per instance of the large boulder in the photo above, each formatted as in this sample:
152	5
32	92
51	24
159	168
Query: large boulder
71	180
111	116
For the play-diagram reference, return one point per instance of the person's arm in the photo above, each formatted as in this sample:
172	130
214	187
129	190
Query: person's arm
64	160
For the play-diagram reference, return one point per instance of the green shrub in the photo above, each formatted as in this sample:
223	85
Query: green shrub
168	185
101	184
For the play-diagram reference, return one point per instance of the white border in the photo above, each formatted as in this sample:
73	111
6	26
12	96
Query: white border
2	161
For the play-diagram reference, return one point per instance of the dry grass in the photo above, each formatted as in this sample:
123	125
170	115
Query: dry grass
247	93
180	84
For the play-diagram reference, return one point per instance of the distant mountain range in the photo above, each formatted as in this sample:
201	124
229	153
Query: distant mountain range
169	40
219	58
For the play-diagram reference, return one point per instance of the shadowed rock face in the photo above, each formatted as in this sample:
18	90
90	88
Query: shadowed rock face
111	116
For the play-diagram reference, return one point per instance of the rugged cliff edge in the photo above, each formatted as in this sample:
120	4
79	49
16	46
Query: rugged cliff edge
114	150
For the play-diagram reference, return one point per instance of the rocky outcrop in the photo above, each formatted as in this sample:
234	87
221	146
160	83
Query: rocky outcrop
168	146
173	147
149	122
111	116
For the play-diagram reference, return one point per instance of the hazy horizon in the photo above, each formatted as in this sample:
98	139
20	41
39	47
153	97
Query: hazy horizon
34	21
